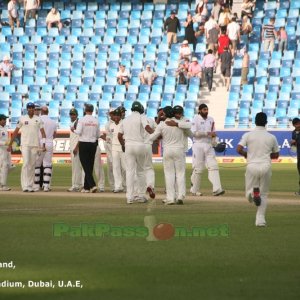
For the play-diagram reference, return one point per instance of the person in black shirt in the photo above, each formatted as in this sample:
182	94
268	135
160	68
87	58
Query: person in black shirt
172	24
296	142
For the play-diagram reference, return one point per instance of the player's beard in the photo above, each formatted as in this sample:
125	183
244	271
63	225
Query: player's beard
203	114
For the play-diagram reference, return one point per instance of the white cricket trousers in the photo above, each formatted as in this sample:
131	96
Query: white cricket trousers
77	173
135	164
5	162
110	174
204	156
27	173
149	170
259	175
45	159
98	169
119	166
174	169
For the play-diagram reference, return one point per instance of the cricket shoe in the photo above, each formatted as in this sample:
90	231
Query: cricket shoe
47	189
84	191
118	191
101	190
168	202
94	189
263	224
129	201
219	193
151	192
5	189
256	196
142	199
197	194
73	189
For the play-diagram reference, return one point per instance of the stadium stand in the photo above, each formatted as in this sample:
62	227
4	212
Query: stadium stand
79	64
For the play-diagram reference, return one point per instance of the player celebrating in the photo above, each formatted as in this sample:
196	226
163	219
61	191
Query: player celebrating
203	129
45	158
5	160
31	125
261	148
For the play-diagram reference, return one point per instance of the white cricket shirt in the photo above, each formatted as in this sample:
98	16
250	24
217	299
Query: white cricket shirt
201	127
88	129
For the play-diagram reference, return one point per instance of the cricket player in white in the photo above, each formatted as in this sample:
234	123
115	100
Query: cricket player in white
131	136
77	174
5	158
118	156
107	137
45	158
98	170
30	126
261	146
173	155
203	130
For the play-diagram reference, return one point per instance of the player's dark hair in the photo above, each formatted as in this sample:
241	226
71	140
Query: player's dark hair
261	119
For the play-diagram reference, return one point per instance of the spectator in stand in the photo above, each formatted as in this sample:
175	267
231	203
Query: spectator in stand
201	9
233	32
245	66
194	69
172	24
282	38
200	30
211	23
247	8
53	19
30	8
228	3
208	65
6	67
216	10
185	51
246	26
182	71
269	35
212	38
13	14
225	59
147	76
123	76
223	41
225	17
189	31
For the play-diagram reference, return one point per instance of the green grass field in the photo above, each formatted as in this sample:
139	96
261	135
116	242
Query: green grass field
249	263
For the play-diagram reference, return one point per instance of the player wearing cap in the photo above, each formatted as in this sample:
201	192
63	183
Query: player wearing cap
172	134
203	129
131	136
296	142
261	148
118	156
89	133
77	176
30	126
5	159
45	158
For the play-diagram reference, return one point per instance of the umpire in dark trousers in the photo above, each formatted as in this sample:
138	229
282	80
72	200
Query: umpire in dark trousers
88	132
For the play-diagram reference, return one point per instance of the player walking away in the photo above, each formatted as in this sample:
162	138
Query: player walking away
88	131
30	126
203	129
45	158
118	156
5	158
77	177
107	145
261	148
131	136
296	142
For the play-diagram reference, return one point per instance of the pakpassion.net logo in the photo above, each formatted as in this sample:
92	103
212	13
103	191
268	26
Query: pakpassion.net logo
161	231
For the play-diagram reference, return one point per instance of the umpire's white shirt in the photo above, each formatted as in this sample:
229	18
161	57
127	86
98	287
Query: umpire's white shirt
30	128
260	144
88	129
133	128
200	128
